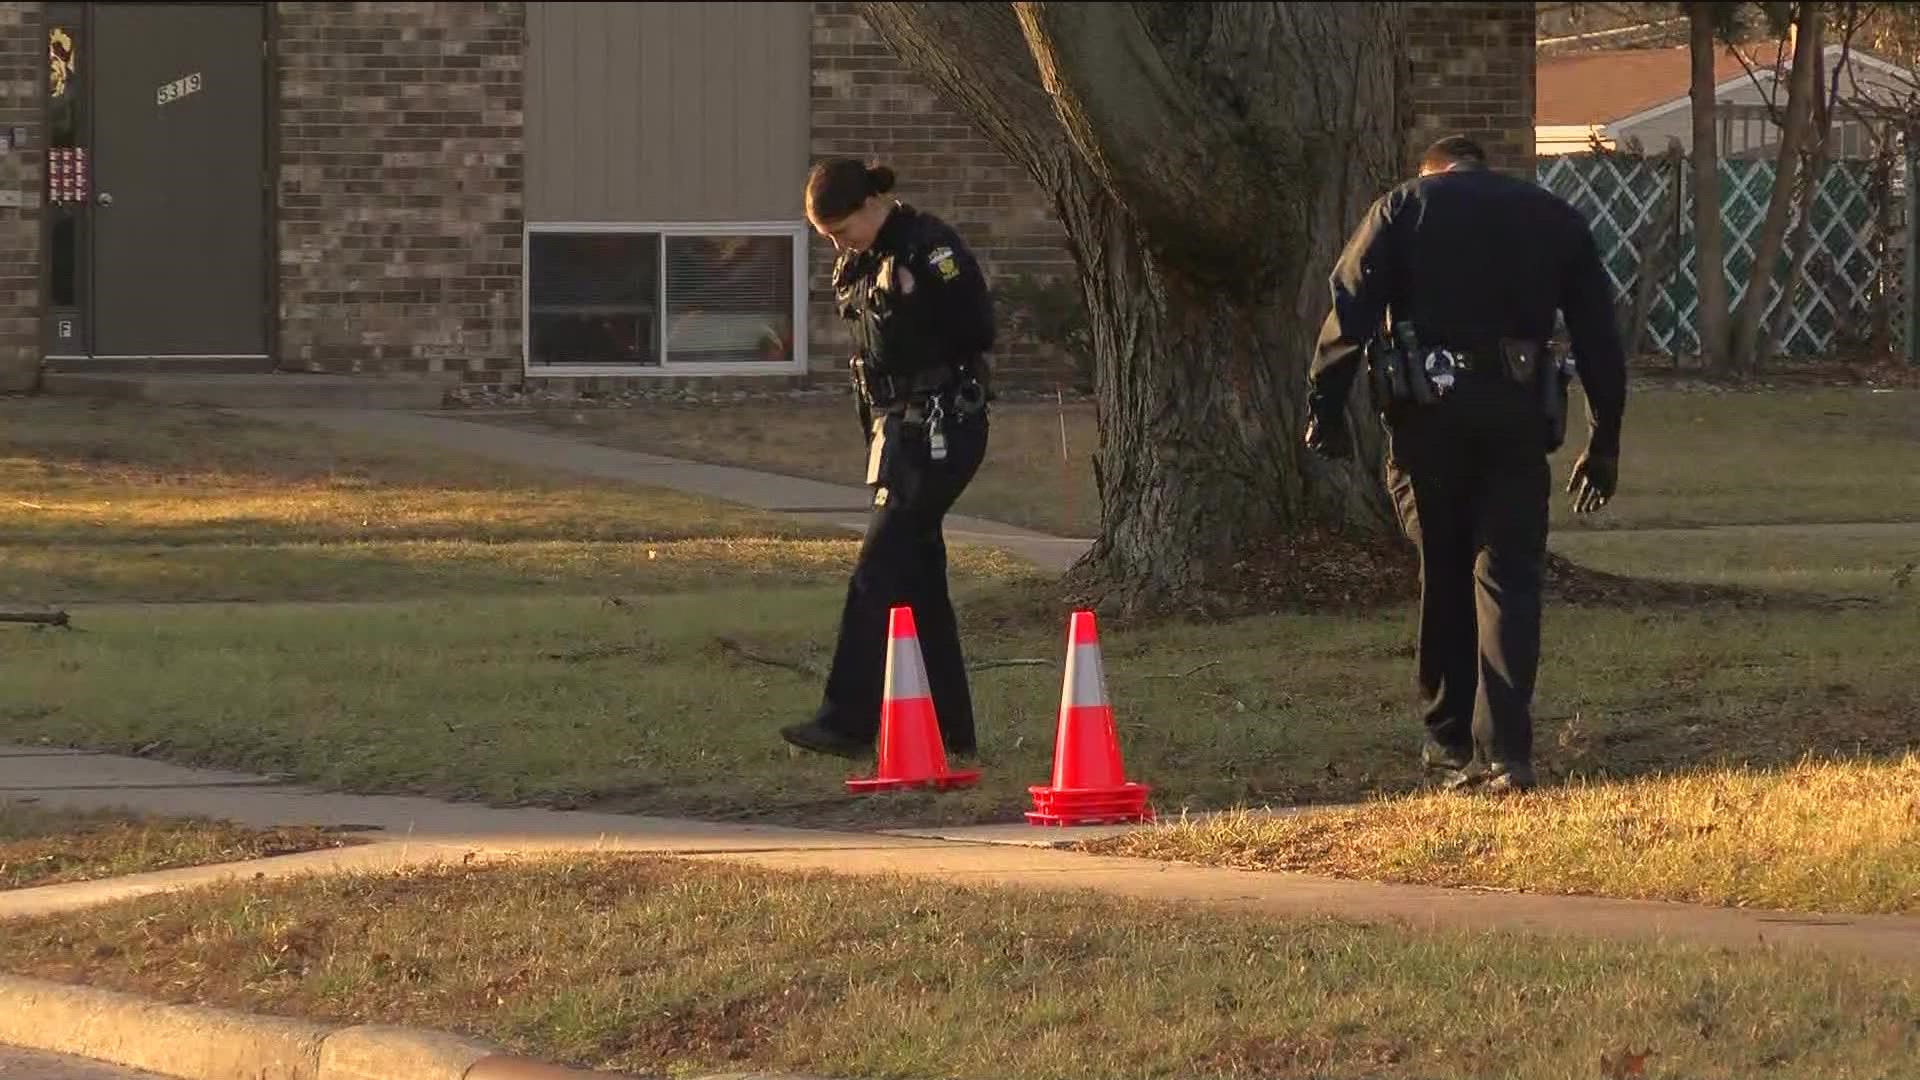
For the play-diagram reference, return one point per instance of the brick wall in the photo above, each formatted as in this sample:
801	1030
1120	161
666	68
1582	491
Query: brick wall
1473	68
866	105
23	77
400	187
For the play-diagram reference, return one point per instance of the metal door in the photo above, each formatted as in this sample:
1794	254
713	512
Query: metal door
179	181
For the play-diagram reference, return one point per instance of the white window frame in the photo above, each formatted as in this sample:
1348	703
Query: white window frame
796	365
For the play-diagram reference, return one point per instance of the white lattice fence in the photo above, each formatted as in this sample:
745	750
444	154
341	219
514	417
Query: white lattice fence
1830	305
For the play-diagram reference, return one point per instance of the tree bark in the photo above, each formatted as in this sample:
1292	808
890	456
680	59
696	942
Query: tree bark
1207	162
1813	173
1657	244
1802	88
1710	270
1888	267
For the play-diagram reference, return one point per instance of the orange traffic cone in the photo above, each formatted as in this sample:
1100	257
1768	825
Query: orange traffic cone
1089	782
911	753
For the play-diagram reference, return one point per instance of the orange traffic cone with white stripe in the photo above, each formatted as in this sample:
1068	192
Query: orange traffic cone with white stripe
1089	781
911	752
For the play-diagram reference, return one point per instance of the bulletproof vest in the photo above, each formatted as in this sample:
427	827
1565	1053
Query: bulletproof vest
863	293
855	298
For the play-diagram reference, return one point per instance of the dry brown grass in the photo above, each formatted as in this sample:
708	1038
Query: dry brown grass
659	967
44	846
1818	836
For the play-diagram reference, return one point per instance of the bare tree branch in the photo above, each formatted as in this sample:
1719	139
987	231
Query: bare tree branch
1769	94
992	665
1186	674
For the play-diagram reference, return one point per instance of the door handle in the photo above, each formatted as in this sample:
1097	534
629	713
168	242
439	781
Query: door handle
105	199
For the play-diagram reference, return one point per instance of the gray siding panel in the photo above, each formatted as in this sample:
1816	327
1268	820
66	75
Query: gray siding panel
667	112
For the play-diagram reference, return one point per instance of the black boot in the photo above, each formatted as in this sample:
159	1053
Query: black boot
1444	759
813	737
1510	777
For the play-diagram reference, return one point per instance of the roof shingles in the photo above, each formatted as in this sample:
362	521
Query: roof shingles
1605	86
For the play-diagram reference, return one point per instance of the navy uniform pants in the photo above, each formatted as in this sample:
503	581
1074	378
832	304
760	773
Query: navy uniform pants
1470	479
903	560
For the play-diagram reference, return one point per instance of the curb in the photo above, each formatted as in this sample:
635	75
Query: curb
197	1042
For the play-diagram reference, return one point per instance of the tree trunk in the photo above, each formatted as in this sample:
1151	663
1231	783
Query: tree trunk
1888	261
1800	245
1202	399
1802	88
1656	245
1207	162
1710	268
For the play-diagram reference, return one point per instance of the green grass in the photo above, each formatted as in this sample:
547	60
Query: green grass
1779	457
655	966
1687	458
577	701
1026	480
49	846
425	569
104	502
541	641
1836	836
1866	559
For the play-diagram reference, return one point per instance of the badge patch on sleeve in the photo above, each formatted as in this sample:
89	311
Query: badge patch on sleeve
942	260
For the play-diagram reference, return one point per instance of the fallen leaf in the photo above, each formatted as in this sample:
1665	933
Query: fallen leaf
1628	1064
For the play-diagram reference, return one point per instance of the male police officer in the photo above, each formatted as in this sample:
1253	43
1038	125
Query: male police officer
1467	267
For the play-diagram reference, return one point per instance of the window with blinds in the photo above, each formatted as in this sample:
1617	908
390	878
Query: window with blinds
729	299
648	300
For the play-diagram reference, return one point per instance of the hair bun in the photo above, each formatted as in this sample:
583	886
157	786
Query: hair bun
880	179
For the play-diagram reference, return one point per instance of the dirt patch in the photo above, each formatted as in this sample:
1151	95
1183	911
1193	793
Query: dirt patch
733	1030
1874	372
1570	583
1316	570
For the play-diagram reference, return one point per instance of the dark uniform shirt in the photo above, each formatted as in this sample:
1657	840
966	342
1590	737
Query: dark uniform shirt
1469	257
944	317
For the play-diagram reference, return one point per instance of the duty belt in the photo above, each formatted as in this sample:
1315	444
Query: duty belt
886	391
1476	364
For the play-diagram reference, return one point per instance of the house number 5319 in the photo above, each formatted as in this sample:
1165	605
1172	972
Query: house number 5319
178	89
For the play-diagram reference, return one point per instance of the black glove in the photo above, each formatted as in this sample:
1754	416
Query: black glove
1329	438
1593	481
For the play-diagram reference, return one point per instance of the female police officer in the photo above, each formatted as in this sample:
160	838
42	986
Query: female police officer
922	323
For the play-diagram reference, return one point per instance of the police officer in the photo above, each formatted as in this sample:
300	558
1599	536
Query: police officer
923	323
1447	292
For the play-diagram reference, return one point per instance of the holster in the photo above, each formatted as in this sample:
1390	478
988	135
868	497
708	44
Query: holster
1539	367
1386	374
1556	376
1396	375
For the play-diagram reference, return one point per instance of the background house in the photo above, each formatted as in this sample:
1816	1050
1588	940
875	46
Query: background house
1623	97
508	193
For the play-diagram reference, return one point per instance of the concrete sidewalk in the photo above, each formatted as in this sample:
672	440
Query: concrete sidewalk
836	504
416	831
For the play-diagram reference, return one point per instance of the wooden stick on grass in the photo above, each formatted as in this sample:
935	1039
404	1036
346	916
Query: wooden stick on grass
734	647
38	618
